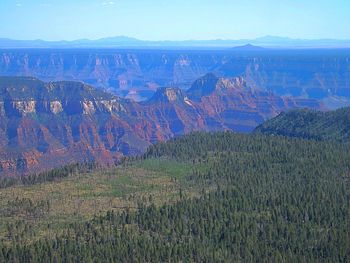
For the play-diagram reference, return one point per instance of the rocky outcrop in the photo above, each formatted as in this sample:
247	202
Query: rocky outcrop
88	107
232	104
56	107
110	106
311	74
61	122
24	107
43	125
168	94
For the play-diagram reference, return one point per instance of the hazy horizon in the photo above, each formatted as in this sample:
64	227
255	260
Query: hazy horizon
177	40
177	20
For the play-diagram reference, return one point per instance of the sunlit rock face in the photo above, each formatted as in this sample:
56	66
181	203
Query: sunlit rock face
88	107
24	107
43	125
56	107
49	124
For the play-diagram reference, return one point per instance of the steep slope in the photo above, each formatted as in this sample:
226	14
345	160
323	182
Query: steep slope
333	125
317	74
235	105
43	125
214	103
174	113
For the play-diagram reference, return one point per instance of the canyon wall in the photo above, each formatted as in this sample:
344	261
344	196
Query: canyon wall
317	74
48	124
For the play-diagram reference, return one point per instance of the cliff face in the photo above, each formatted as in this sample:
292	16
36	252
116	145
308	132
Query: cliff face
49	124
43	125
317	74
231	103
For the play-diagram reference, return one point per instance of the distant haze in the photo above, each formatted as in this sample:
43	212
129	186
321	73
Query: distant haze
257	44
174	19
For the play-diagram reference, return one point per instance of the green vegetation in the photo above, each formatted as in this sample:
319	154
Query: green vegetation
48	176
85	191
218	197
309	124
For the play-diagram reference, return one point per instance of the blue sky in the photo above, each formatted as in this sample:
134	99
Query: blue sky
174	19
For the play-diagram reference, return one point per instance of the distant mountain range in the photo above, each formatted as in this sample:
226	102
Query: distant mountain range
128	42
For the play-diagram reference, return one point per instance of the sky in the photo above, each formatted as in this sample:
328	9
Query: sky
174	19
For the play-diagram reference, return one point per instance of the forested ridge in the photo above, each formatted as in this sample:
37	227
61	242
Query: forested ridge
310	124
263	199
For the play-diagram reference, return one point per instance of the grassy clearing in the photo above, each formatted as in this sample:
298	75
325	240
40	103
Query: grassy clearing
170	167
79	197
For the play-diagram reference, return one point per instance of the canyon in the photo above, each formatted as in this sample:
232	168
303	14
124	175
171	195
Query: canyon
49	124
322	74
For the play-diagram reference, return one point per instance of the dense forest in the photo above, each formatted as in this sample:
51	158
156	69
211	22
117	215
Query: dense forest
262	199
310	124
